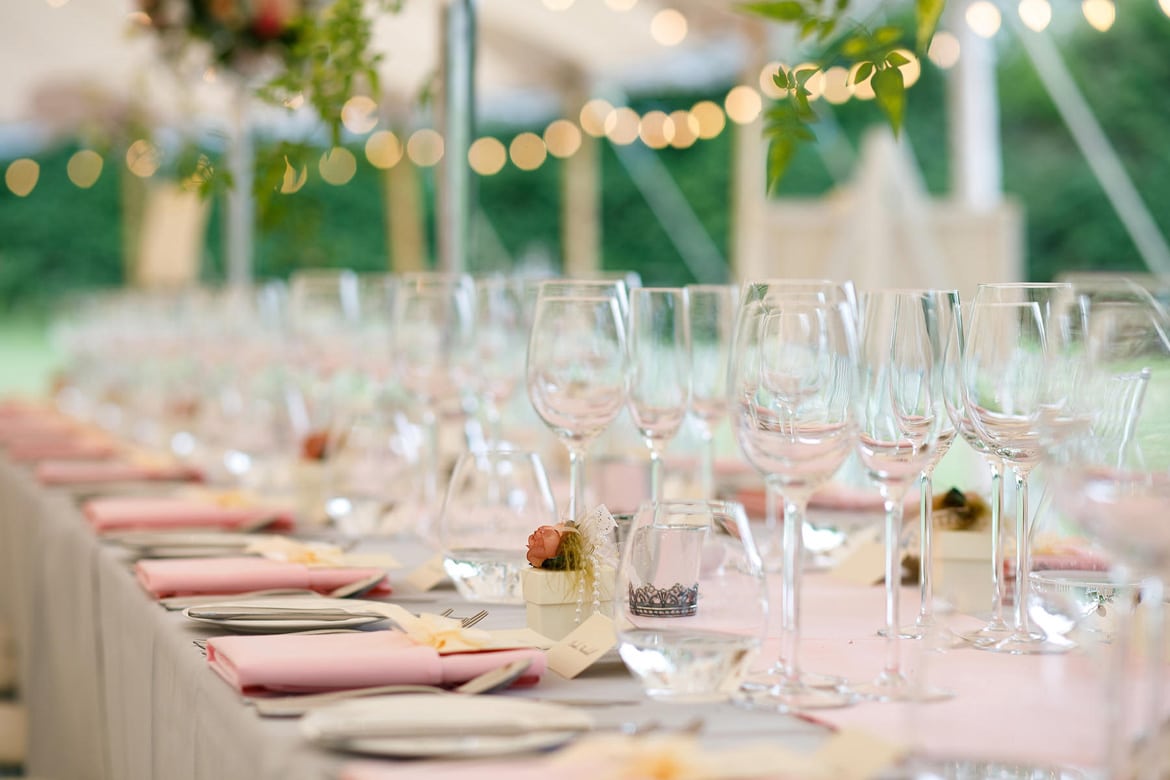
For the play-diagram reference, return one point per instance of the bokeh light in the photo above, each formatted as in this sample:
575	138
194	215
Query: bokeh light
84	168
710	118
668	27
743	104
142	158
562	138
528	151
21	176
487	156
425	147
337	166
383	149
359	114
594	115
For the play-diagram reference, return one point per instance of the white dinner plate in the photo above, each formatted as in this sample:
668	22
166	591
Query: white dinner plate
185	544
424	726
299	609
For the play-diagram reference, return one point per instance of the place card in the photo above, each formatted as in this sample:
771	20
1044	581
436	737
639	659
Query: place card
853	754
428	575
583	646
865	564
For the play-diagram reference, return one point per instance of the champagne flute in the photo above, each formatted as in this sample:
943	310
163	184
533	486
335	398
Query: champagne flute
791	378
899	413
659	363
1004	375
576	372
711	313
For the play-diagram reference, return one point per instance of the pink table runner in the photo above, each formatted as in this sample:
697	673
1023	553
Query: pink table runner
198	576
149	513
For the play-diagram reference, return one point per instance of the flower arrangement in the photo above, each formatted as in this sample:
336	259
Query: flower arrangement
580	556
318	50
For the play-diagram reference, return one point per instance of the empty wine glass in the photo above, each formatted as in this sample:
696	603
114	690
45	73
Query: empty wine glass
711	313
495	499
576	372
433	315
899	412
1006	385
791	380
946	314
659	364
690	603
498	348
954	395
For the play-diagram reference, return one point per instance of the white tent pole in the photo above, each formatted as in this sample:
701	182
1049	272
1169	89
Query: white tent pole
1095	146
973	113
581	197
240	206
456	123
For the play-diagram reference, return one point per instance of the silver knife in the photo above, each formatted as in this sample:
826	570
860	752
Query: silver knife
278	613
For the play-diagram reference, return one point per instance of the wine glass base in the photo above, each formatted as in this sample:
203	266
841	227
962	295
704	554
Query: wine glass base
762	681
988	635
923	767
889	687
1027	644
788	698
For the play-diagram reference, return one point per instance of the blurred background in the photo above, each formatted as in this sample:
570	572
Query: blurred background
615	134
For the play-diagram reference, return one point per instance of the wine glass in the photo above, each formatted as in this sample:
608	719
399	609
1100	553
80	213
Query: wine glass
690	603
764	291
946	316
431	333
791	381
576	372
899	407
659	364
711	313
495	499
1113	480
498	345
1006	387
954	396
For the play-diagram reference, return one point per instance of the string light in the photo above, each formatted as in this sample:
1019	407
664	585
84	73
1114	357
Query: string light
862	90
562	138
710	119
359	114
668	27
656	130
383	149
1099	13
594	116
768	83
528	151
21	176
837	85
621	126
983	18
1035	14
743	104
142	159
84	168
337	166
487	156
425	147
686	129
944	50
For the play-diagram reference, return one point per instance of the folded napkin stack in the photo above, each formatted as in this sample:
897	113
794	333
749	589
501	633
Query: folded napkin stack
157	513
305	663
226	576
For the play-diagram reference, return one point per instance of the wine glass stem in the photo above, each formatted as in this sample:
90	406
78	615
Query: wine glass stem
655	474
997	583
794	509
1020	592
707	462
926	551
1153	596
894	501
576	482
772	520
431	464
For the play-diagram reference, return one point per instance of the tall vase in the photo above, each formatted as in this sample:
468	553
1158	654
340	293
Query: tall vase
240	211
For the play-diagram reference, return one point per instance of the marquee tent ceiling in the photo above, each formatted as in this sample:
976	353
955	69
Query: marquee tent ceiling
64	62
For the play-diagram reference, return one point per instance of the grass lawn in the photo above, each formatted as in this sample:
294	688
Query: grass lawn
26	357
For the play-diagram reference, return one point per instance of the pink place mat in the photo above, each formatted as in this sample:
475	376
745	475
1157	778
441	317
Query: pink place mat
304	663
212	576
27	449
148	513
84	472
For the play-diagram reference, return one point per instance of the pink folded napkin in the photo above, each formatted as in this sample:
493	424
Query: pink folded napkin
304	663
82	472
34	448
146	513
211	576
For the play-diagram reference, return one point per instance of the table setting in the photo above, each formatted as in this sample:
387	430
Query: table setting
251	624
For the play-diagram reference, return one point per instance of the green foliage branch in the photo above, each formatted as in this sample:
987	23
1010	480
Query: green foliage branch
867	51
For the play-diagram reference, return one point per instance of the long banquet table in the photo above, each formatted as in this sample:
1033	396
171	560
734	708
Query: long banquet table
116	689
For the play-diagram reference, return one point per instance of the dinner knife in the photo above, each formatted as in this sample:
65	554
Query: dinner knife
278	613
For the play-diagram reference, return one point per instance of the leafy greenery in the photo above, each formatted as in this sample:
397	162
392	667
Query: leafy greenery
866	51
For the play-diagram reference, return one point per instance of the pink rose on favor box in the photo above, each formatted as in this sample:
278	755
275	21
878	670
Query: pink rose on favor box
544	542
